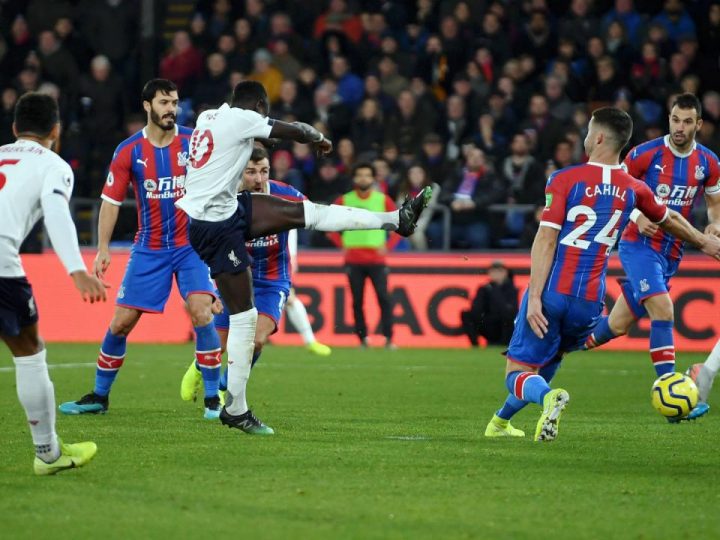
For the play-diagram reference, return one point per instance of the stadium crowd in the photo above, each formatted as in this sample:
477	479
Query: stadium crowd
480	98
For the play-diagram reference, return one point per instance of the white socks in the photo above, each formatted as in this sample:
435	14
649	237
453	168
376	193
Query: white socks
297	314
37	396
240	346
713	360
335	218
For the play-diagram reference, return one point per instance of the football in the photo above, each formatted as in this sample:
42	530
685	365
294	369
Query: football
674	395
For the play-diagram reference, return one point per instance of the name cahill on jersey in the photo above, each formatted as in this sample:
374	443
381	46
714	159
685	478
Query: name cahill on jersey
605	190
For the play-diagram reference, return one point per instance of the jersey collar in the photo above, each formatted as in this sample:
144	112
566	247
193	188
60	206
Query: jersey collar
604	165
144	131
666	140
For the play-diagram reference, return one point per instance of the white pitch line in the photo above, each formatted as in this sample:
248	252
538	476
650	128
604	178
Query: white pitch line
408	438
72	365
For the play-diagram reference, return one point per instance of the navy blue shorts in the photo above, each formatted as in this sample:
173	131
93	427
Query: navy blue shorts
221	244
17	305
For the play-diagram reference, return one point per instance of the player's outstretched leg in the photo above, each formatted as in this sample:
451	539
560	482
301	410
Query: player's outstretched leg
625	311
109	362
271	215
298	316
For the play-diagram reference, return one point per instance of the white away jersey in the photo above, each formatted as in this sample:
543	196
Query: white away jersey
28	172
220	148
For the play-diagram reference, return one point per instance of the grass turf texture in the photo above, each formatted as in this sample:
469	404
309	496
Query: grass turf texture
369	444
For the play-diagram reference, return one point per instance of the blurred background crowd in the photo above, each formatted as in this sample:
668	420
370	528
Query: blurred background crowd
480	98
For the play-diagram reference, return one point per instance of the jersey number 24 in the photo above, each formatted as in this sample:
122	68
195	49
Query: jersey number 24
607	235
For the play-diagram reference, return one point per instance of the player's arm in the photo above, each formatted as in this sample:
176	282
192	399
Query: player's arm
302	133
636	164
113	195
63	234
543	251
681	228
541	257
675	224
106	225
712	198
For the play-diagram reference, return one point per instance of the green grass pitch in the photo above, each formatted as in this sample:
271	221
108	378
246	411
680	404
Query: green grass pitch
369	444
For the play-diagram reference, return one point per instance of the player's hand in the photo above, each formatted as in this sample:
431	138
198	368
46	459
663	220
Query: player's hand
217	307
91	288
711	246
535	318
645	226
102	263
323	147
713	229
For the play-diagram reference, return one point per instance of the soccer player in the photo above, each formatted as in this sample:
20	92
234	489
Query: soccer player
154	162
271	271
586	207
221	220
35	182
678	170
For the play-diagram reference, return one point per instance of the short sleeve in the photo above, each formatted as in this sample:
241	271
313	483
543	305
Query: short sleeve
648	205
555	202
636	162
712	183
59	179
251	125
118	178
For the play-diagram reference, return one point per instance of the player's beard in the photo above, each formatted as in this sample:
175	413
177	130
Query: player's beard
165	123
681	141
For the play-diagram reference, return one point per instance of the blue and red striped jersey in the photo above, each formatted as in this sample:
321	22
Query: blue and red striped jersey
158	178
679	180
589	204
270	254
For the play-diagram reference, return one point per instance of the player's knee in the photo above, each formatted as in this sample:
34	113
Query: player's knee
660	308
618	328
121	327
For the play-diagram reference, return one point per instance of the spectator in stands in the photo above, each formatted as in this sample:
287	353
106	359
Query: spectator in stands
544	131
624	13
579	23
407	126
349	85
338	17
455	126
468	196
290	106
111	29
331	111
391	82
345	150
266	74
368	129
413	182
183	63
245	44
493	309
648	73
58	65
7	115
434	160
72	41
284	60
220	18
523	174
257	17
212	90
373	90
675	19
561	108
